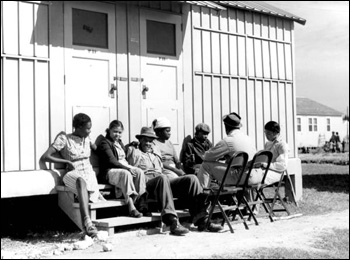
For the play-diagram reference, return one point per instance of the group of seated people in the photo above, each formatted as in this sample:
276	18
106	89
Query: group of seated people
151	169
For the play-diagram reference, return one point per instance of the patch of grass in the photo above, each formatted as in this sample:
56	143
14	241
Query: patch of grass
328	158
325	188
330	245
337	242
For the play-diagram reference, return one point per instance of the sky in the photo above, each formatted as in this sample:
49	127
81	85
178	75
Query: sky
321	51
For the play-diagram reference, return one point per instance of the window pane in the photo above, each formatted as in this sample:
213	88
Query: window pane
161	38
310	128
90	29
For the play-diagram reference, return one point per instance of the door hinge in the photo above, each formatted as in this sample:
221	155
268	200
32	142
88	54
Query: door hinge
64	79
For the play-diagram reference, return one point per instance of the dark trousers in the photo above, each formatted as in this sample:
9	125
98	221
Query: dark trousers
185	188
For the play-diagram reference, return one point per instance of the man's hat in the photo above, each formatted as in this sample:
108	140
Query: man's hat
232	119
203	127
148	132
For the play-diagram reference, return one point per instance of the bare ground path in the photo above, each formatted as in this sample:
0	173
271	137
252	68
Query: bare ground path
296	233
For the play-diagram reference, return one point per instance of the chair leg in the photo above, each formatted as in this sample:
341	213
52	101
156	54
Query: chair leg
265	205
225	216
292	188
251	214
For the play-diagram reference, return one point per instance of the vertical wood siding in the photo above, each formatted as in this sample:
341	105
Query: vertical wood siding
24	84
242	61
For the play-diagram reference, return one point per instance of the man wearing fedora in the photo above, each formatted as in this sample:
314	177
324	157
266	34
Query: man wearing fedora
235	141
159	187
195	149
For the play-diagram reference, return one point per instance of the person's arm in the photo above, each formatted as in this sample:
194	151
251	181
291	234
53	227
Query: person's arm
188	156
179	172
49	157
217	152
281	162
106	151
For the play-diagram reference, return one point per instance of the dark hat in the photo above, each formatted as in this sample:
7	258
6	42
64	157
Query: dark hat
203	127
232	119
148	132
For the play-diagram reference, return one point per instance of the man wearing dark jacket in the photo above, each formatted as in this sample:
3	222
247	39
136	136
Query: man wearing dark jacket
195	149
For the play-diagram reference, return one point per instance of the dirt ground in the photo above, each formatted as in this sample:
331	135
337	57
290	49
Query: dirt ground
295	233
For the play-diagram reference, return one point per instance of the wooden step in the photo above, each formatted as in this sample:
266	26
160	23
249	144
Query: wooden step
108	224
100	186
103	204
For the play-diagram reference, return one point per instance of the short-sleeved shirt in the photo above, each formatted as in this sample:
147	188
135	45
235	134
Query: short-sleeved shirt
167	151
279	149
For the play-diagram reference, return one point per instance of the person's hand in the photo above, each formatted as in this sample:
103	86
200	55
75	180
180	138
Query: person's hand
180	173
263	165
178	165
133	171
70	165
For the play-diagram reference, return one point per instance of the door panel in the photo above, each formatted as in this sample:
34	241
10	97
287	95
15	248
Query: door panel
162	71
90	63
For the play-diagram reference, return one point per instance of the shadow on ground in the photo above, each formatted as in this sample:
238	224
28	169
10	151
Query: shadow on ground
338	183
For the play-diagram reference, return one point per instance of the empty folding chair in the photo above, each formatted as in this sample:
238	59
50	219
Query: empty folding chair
236	165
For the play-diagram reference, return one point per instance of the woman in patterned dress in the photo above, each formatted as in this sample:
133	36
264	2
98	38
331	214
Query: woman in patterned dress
75	150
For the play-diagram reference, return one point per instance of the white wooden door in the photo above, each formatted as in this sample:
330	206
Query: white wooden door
161	70
90	63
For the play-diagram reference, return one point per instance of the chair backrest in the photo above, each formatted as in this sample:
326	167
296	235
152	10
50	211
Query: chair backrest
260	157
238	163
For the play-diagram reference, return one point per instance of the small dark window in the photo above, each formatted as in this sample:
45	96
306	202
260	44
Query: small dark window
161	38
90	29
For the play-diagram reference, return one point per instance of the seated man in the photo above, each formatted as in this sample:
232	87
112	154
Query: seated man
170	160
162	189
195	149
235	141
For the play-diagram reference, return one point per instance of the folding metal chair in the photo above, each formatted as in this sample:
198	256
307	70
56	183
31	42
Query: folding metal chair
236	165
277	196
259	158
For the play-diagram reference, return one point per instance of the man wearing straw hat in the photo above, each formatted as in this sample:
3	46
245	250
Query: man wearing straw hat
186	188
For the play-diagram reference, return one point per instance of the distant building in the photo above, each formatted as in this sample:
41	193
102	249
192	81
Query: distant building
316	122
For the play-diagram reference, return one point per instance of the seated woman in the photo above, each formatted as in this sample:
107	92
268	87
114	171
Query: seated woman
128	180
279	149
75	151
170	160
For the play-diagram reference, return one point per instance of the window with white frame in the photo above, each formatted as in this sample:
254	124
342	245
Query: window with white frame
299	124
315	124
328	124
310	124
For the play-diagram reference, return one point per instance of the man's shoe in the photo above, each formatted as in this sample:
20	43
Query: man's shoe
91	231
178	230
135	214
145	212
211	228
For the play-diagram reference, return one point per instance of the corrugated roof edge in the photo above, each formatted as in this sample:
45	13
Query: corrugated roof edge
255	6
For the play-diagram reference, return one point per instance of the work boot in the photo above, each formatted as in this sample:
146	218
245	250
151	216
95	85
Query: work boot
211	227
177	229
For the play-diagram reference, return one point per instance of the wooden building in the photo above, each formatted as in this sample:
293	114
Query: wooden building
316	122
191	61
